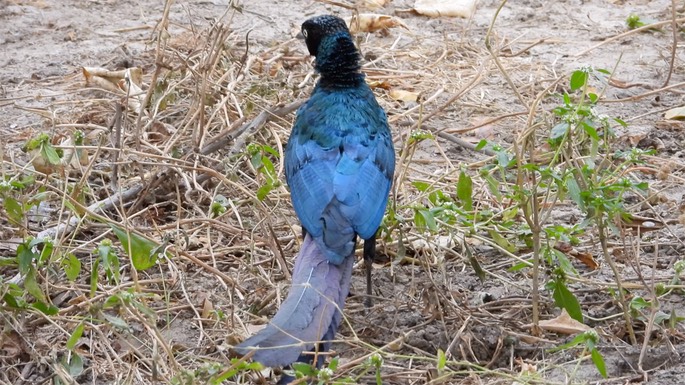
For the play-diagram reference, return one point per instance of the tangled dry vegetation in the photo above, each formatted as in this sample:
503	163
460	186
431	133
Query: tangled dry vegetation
166	235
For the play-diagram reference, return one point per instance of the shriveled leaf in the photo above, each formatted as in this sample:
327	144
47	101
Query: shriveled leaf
642	224
405	96
445	8
585	258
371	22
373	4
108	80
564	324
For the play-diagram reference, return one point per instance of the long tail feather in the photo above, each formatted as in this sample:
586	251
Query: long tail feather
309	315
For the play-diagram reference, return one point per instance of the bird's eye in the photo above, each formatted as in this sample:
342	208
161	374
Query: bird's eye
304	33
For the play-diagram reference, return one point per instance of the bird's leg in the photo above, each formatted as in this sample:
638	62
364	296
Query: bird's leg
369	256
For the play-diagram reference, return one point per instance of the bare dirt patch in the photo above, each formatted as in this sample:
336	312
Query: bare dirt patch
189	175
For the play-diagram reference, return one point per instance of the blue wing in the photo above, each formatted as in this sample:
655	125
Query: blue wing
339	166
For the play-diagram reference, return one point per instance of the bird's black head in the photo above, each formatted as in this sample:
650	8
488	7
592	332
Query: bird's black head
317	28
337	58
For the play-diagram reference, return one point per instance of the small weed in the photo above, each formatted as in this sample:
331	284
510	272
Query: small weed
262	163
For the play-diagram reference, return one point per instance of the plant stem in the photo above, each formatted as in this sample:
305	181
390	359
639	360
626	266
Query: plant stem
621	296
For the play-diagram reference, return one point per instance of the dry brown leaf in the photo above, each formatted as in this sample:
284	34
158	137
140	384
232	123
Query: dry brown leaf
449	8
670	125
136	96
207	309
382	84
564	324
634	139
677	113
373	4
109	80
371	22
12	345
643	224
405	96
586	258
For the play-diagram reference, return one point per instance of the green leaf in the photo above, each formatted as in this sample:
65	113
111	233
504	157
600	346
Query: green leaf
502	242
44	308
577	340
493	186
109	260
591	131
559	131
71	266
520	266
574	192
421	186
32	286
442	360
566	300
24	257
14	210
264	191
465	190
578	79
94	277
116	321
334	364
75	365
138	248
73	339
599	362
271	151
46	252
304	369
481	145
111	301
424	219
49	153
223	377
503	158
563	262
11	301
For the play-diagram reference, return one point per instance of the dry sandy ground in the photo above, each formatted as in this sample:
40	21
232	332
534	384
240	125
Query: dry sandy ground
440	305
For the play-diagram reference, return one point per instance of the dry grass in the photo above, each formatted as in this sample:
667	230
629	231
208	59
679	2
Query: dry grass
158	173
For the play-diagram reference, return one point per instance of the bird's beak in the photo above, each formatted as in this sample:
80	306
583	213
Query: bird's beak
300	36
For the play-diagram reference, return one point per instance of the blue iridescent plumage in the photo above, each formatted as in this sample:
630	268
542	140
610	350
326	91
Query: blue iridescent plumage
339	164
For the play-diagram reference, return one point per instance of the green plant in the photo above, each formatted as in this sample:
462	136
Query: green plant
262	163
580	167
588	340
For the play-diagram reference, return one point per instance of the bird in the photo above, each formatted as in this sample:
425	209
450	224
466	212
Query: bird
339	166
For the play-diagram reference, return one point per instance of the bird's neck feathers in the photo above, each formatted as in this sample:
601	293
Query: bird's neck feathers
338	62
